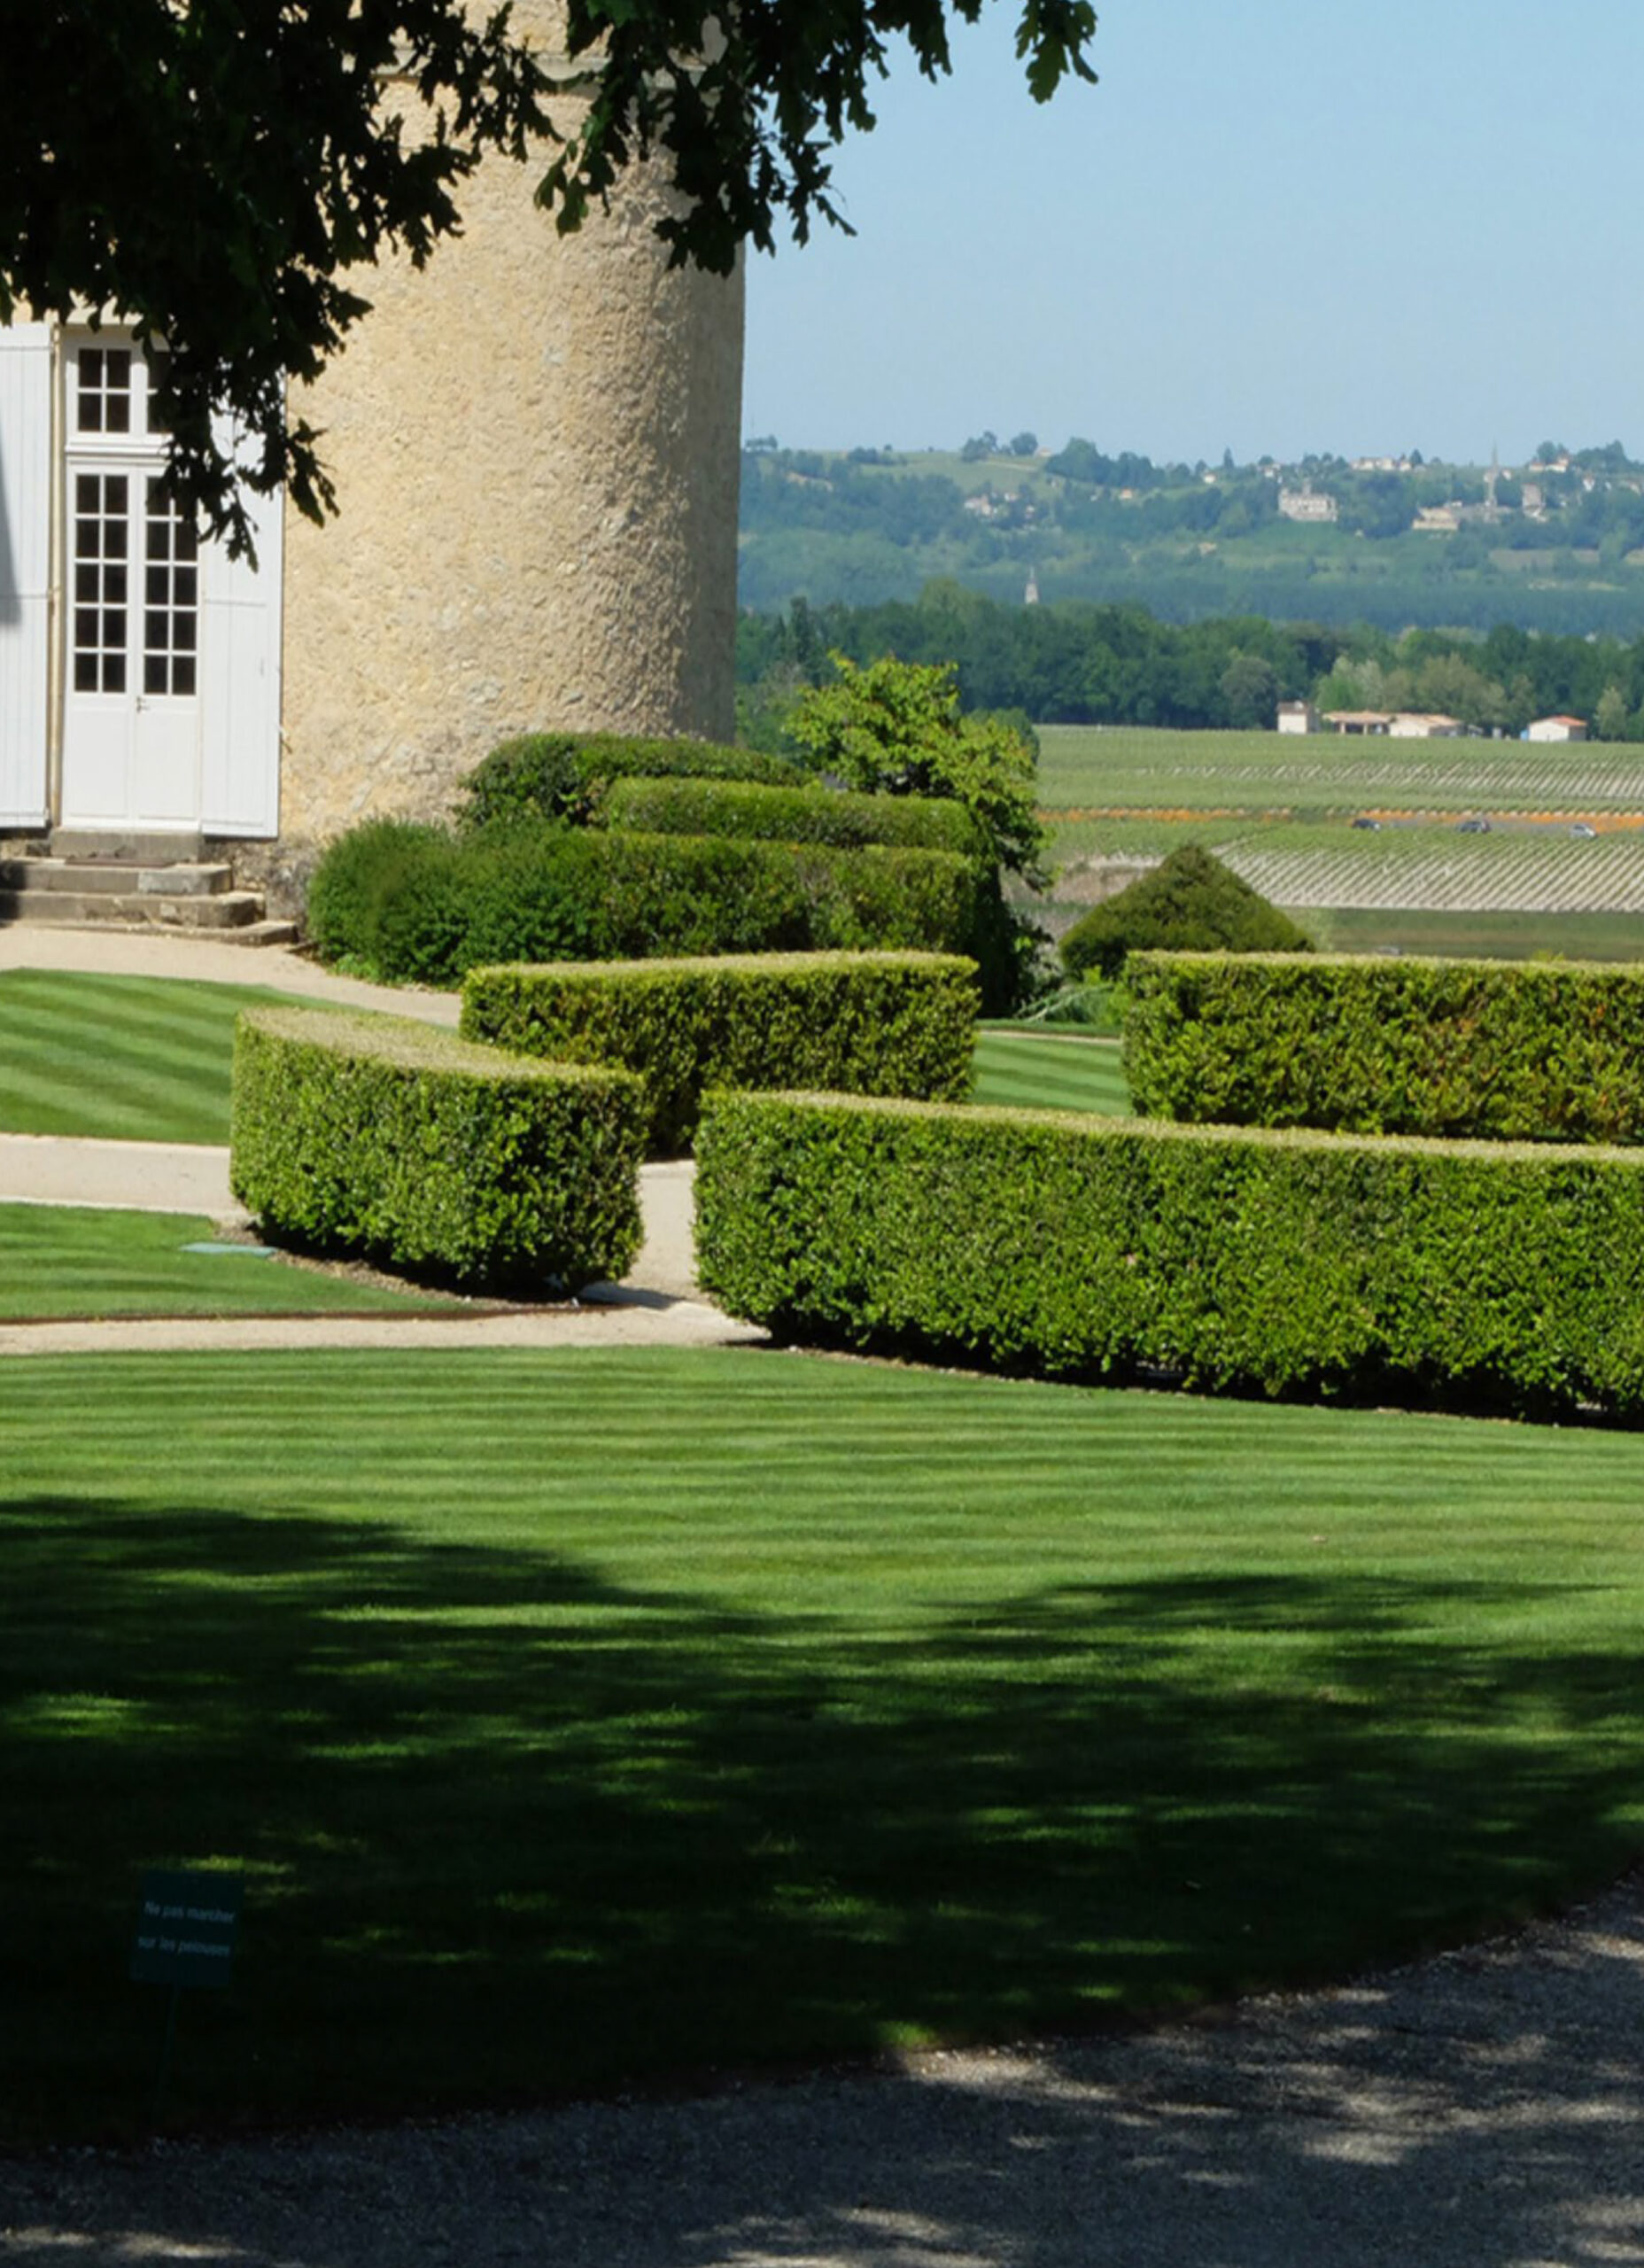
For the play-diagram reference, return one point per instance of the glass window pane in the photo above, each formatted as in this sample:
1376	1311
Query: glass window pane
113	672
113	625
85	628
86	492
114	585
118	412
88	539
116	494
183	632
182	673
185	586
155	625
86	581
85	673
114	540
159	586
154	673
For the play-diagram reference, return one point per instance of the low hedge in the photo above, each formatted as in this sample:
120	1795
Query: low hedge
562	775
373	1137
405	903
863	1023
1499	1050
1465	1275
790	814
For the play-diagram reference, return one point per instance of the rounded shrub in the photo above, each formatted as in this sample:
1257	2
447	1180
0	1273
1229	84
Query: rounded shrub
1190	903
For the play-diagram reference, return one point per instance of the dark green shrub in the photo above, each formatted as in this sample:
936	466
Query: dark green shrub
1506	1051
373	1137
860	1023
430	906
560	775
362	874
795	814
1189	902
1288	1264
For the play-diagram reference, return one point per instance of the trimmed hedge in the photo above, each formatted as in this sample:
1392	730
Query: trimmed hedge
1499	1050
373	1137
800	815
405	903
863	1023
1189	902
562	775
1292	1265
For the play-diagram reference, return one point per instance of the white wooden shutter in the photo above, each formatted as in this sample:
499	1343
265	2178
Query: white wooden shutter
25	569
240	612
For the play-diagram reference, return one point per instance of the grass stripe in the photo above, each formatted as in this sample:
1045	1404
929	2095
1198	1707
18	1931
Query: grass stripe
585	1717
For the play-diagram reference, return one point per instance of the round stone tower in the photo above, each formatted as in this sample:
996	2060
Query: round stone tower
535	445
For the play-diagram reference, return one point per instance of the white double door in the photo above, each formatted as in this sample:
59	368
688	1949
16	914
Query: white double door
131	706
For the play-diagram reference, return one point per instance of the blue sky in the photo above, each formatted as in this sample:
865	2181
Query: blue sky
1277	226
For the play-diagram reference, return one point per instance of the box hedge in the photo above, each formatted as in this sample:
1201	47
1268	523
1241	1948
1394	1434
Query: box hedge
1298	1264
564	775
407	904
1499	1050
375	1137
863	1023
790	814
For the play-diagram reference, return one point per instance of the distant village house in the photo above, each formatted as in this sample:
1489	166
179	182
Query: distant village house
1558	728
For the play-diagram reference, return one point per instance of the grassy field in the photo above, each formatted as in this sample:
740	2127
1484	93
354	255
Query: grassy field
1501	937
126	1057
1037	1070
602	1717
148	1059
58	1261
1122	767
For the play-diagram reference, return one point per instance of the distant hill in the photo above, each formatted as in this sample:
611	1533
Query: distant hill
1555	545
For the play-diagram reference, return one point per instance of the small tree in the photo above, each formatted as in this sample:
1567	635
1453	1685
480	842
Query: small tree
1190	903
896	728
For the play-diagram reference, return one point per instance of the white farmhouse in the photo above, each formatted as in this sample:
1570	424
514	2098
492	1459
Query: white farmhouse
1558	728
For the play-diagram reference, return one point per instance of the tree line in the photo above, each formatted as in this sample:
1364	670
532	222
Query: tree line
1074	663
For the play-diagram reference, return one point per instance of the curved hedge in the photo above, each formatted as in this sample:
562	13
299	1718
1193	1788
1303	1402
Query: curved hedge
375	1137
797	814
560	776
866	1023
1500	1050
405	903
1285	1265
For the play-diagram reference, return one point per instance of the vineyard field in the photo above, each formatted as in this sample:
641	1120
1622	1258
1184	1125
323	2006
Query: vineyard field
1098	771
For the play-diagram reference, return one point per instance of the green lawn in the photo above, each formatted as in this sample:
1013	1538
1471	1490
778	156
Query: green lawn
127	1057
144	1060
59	1261
596	1717
1036	1070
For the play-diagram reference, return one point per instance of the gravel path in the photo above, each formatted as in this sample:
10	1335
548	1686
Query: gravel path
1482	2110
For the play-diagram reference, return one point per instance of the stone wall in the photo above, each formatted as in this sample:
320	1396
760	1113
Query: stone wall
535	442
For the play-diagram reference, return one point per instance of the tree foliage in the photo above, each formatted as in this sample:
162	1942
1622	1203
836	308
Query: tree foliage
217	173
896	728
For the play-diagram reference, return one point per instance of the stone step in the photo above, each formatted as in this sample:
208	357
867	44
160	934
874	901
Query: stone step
150	909
128	847
115	878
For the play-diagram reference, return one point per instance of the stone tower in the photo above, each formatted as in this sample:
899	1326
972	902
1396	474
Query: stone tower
535	442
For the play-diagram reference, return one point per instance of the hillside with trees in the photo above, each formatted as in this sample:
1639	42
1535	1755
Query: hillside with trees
1555	544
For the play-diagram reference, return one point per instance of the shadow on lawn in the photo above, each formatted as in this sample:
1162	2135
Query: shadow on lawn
510	1828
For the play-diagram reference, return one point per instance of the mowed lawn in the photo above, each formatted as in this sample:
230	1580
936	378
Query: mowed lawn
61	1261
129	1059
584	1719
1031	1069
148	1059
